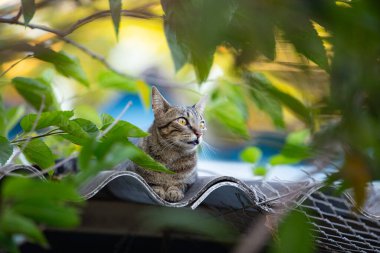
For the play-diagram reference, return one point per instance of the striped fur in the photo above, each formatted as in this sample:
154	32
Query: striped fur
173	144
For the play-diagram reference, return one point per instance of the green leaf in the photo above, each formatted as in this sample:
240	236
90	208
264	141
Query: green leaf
23	189
124	129
292	103
15	224
259	171
59	119
86	155
295	234
196	42
269	98
73	128
96	156
294	150
106	120
283	159
28	10
87	126
251	155
298	137
49	213
88	112
7	243
251	31
112	80
356	173
6	150
115	8
43	201
64	64
264	101
34	91
180	54
230	116
202	62
46	119
138	156
190	221
301	33
36	151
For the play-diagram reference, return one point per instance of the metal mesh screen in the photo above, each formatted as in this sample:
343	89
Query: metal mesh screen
337	227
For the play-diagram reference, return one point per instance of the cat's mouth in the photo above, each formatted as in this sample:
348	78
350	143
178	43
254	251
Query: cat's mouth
194	142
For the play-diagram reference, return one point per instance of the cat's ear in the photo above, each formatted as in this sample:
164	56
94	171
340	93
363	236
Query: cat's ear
201	105
159	103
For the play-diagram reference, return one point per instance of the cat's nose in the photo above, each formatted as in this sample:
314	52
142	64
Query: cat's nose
197	133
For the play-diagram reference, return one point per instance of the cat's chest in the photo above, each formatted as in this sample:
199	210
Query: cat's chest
184	163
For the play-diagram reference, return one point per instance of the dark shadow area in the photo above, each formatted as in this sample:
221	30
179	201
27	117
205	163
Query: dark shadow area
90	242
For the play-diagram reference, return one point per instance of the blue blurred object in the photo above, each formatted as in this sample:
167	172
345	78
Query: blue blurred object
14	131
270	144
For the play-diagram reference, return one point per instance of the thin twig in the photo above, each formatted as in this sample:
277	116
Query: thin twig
15	64
96	56
13	157
3	173
32	26
80	22
118	118
38	136
18	15
106	13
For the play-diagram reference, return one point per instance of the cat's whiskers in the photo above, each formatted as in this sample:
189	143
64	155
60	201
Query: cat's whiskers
205	152
211	147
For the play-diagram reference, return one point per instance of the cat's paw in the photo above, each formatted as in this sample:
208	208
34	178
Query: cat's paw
159	190
174	194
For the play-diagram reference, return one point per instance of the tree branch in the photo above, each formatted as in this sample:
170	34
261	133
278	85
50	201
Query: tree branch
18	15
95	56
52	132
80	22
61	35
106	13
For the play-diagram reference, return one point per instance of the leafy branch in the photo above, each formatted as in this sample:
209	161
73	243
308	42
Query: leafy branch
49	133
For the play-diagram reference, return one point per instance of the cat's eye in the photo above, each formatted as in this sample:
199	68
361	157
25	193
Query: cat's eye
202	125
182	121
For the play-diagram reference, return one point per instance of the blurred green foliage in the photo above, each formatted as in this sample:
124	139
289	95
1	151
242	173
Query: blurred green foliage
294	234
184	220
28	203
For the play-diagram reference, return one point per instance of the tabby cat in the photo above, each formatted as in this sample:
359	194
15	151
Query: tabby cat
174	136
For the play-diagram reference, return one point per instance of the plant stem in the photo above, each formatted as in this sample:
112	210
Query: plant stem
50	133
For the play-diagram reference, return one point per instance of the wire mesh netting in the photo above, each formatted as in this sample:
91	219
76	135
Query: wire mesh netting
338	226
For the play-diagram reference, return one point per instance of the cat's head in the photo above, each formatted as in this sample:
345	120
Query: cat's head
181	126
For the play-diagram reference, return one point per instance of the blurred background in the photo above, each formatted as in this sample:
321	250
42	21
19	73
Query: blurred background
237	116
